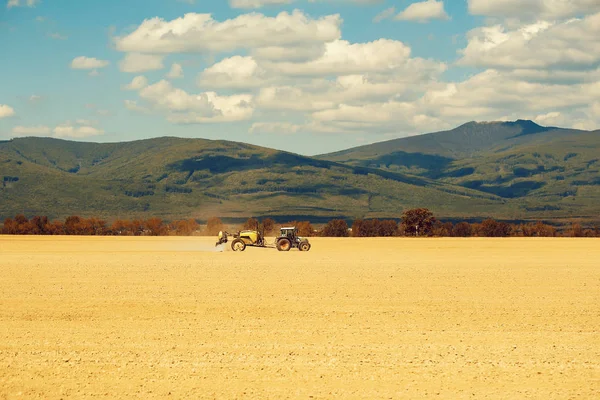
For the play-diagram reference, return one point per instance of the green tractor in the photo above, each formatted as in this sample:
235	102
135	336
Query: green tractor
287	239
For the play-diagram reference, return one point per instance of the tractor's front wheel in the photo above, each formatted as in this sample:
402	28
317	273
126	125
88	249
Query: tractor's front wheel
304	246
284	244
238	245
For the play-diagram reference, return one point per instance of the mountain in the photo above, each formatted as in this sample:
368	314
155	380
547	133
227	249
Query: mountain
506	170
545	172
176	178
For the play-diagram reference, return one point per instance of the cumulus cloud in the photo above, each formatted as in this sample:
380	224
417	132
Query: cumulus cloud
274	127
175	72
423	11
21	3
132	105
343	57
538	9
571	44
185	108
256	3
235	72
6	111
69	130
137	83
136	62
201	33
385	14
83	62
78	129
21	131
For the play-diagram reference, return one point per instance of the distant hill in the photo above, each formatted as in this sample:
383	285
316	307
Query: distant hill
195	178
506	170
546	172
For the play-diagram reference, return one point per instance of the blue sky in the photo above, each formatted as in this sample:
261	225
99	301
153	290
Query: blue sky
308	76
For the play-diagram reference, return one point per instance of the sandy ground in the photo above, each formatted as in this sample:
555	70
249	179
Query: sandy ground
352	318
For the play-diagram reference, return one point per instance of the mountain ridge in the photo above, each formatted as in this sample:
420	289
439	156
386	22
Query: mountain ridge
506	170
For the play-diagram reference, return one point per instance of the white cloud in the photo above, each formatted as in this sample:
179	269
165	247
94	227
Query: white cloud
201	33
6	111
34	98
274	127
185	108
236	72
21	3
385	14
68	130
256	3
572	44
175	72
83	62
132	105
79	129
137	83
136	62
423	11
538	9
343	57
40	130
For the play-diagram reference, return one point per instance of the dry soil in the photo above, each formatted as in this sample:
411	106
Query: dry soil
352	318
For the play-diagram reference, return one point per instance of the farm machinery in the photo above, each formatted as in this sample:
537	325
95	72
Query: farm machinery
288	239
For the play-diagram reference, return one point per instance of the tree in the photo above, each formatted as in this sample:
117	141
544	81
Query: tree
268	226
251	224
184	227
73	225
305	229
213	226
418	222
10	227
155	227
462	229
538	230
492	228
336	228
575	231
442	229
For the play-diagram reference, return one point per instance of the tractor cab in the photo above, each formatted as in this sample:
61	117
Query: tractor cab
290	231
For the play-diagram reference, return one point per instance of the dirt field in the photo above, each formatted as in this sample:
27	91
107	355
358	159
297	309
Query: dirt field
352	318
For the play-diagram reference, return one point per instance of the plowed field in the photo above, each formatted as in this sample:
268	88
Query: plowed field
352	318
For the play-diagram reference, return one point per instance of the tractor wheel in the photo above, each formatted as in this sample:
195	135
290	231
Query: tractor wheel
238	245
284	244
304	246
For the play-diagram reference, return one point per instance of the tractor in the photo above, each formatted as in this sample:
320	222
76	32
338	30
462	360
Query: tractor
287	239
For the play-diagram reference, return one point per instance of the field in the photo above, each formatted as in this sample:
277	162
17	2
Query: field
353	318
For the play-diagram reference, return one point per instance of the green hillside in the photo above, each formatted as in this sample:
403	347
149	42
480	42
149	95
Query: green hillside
543	172
507	170
177	178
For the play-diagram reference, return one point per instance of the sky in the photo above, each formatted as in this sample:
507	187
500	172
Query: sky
306	76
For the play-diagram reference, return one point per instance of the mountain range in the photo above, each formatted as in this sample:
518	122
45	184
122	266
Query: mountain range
506	170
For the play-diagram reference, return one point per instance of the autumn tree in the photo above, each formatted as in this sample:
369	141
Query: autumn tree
493	228
305	229
213	226
417	222
155	227
462	229
268	226
442	229
538	230
336	228
250	224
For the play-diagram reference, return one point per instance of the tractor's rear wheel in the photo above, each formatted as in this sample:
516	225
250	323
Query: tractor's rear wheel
284	244
304	246
238	245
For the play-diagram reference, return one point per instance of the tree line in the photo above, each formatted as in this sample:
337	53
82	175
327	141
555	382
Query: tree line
418	222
